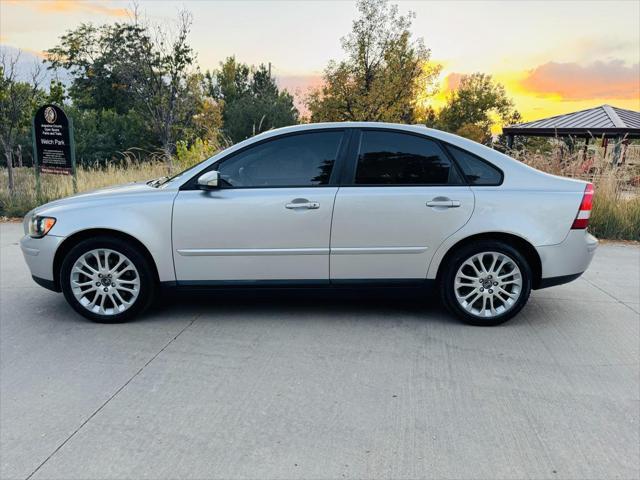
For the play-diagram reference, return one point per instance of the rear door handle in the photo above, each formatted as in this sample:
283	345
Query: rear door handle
299	203
443	203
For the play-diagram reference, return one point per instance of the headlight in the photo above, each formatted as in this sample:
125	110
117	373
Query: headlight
40	226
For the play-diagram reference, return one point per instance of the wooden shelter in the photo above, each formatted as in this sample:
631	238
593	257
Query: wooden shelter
605	122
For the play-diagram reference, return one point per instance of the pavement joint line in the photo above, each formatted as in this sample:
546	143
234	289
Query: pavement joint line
607	293
59	447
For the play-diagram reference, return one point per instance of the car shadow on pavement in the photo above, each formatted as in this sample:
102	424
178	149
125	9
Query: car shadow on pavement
303	303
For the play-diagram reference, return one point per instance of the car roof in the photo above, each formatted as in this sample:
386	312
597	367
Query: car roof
512	168
324	125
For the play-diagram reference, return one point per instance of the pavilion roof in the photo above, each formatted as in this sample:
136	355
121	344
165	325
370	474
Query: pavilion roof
603	120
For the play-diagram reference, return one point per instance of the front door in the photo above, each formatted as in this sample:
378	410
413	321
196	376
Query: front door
403	200
271	219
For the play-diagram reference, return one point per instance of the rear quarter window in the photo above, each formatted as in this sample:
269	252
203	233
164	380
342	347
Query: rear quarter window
476	170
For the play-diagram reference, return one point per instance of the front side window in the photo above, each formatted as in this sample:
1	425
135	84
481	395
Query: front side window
391	158
478	172
293	161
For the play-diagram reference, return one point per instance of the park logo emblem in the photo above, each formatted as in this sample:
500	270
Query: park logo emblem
50	115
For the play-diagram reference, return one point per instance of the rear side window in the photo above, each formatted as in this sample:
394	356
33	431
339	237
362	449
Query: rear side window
478	172
391	158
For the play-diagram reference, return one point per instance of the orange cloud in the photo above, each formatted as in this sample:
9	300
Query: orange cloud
571	81
66	6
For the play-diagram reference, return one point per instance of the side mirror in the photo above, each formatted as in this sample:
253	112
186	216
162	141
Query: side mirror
209	180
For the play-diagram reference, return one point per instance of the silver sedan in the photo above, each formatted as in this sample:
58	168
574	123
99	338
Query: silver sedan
326	205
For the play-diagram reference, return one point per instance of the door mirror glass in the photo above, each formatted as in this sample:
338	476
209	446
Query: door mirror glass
209	180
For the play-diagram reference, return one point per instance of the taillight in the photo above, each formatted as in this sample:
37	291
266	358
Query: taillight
582	219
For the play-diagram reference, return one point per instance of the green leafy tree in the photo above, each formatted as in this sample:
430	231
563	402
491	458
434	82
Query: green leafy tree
250	98
127	67
383	75
204	122
231	82
102	136
475	106
158	70
94	56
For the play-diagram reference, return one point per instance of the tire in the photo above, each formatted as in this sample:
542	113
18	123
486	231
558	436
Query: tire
110	268
505	300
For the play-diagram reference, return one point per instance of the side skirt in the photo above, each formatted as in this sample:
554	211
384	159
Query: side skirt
191	285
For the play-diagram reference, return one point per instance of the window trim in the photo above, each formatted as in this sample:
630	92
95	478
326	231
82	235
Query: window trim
349	177
336	172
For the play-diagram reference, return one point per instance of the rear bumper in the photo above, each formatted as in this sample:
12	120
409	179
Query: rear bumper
566	261
553	281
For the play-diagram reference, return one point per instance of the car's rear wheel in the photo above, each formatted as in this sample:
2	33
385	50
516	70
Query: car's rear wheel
107	280
486	283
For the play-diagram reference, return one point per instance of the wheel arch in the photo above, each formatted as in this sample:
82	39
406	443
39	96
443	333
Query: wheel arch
72	240
522	245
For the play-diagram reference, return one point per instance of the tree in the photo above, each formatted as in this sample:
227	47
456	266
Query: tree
93	55
475	106
229	83
18	101
103	135
250	98
383	74
131	66
158	70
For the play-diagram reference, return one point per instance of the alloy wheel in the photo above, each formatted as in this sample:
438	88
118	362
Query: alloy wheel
105	282
488	284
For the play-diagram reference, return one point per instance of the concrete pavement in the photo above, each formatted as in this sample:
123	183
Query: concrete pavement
309	386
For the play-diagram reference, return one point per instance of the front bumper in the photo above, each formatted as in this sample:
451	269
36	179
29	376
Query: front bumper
566	261
39	254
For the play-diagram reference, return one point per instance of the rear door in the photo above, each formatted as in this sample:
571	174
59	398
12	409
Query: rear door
402	198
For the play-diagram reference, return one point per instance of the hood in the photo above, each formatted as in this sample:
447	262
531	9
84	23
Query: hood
133	188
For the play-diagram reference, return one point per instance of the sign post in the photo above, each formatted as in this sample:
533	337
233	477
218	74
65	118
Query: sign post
53	144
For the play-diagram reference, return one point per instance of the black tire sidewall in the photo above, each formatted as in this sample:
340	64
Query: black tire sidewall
464	253
147	281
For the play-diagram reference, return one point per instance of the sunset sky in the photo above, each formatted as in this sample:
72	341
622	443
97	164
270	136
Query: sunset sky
552	56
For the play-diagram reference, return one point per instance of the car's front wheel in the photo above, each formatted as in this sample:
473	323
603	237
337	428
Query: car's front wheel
486	283
107	280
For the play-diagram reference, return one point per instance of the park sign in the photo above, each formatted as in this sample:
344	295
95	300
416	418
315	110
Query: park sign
53	141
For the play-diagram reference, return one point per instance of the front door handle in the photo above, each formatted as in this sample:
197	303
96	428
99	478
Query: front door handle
440	202
302	203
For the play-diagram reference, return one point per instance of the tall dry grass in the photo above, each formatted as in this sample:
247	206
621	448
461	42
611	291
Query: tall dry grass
54	187
615	215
